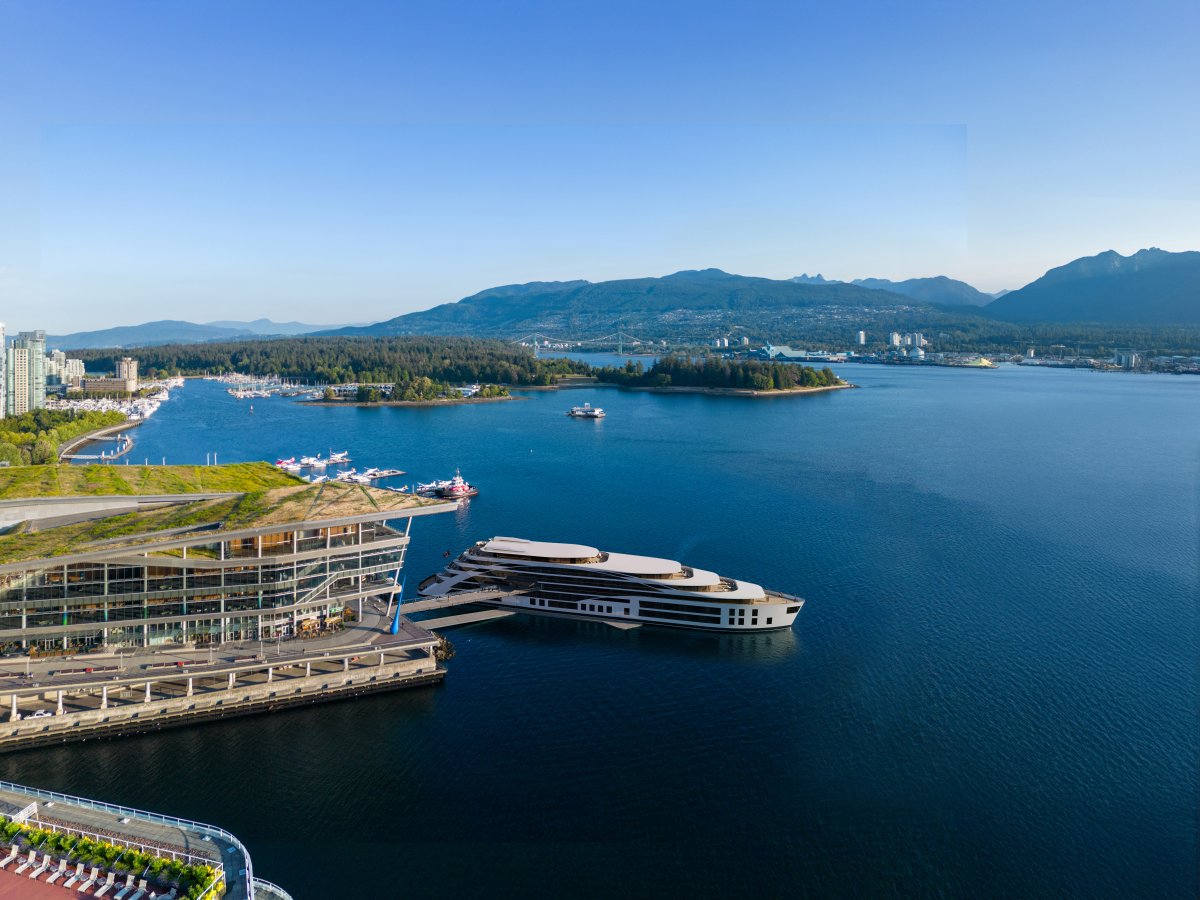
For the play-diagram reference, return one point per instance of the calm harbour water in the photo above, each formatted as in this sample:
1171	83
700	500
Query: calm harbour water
991	691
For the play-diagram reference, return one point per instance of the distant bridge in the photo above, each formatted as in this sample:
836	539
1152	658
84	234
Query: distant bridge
617	338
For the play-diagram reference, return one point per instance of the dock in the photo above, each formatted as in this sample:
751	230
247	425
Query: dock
67	452
78	700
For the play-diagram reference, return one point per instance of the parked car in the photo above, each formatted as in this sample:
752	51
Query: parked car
41	714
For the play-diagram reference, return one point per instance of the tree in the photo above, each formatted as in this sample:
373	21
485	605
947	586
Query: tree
43	452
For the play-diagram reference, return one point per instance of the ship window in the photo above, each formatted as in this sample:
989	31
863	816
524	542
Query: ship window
769	620
793	609
627	610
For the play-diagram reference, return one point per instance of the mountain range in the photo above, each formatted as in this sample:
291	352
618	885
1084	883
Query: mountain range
1149	288
171	331
938	290
680	302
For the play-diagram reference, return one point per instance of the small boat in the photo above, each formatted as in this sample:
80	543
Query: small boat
587	411
312	462
284	463
342	456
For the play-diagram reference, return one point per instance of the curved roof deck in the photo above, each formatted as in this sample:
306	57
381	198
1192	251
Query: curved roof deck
670	571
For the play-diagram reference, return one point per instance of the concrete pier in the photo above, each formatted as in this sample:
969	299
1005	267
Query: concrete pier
156	695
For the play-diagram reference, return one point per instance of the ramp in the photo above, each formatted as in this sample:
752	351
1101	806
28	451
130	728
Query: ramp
485	615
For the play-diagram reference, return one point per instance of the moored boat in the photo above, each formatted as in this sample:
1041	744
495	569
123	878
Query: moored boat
579	581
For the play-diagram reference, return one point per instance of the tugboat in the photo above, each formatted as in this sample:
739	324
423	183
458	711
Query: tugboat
455	488
587	411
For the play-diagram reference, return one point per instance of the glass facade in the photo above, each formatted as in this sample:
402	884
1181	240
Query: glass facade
241	587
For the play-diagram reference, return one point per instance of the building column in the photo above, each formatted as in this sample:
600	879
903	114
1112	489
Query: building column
147	700
270	674
189	689
308	670
16	716
346	664
231	678
59	711
381	657
104	697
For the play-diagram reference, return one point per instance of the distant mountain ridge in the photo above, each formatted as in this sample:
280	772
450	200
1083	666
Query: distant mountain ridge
173	331
1149	287
584	306
938	290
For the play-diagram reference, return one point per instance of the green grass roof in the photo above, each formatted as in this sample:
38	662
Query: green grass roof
20	482
263	496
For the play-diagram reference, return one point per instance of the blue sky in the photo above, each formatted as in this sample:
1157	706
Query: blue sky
347	161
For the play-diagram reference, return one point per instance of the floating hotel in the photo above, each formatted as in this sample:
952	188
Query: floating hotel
174	590
579	581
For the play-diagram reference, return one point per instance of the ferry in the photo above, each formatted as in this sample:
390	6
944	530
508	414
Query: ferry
578	581
587	411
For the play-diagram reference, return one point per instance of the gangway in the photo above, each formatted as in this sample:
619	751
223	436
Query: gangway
454	600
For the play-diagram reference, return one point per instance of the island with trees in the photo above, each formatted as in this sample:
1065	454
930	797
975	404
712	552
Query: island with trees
717	375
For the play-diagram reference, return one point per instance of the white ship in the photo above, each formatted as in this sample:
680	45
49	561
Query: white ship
587	411
579	581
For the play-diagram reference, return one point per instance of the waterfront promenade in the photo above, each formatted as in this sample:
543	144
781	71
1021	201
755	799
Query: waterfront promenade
147	689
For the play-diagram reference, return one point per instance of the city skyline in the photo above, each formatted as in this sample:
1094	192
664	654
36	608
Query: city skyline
326	166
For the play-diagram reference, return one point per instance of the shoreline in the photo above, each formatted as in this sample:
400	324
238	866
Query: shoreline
451	402
68	449
736	392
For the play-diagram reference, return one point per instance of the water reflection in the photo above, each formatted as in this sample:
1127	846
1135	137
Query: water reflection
744	647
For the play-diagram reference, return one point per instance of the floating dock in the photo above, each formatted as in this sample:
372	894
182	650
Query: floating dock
67	453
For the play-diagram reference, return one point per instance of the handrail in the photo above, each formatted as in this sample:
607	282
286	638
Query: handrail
273	888
129	842
211	830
